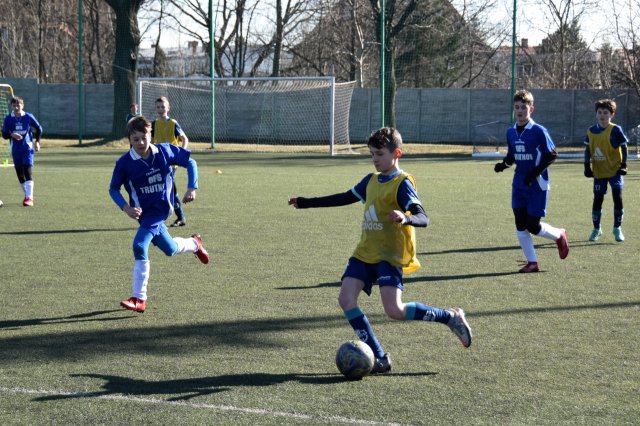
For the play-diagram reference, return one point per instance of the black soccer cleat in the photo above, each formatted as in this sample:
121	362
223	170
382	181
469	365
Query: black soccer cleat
382	365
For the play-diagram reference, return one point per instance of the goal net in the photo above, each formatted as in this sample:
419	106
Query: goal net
6	93
490	141
257	114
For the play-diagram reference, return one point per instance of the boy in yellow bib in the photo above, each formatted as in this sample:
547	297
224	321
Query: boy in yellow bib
167	130
605	160
387	248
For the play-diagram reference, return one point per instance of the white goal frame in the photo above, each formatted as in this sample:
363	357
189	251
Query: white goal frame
207	104
6	93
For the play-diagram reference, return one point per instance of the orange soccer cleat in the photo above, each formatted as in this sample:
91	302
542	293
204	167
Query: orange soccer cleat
134	304
200	253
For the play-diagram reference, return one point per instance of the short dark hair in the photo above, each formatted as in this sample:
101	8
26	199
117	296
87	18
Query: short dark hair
163	99
524	96
386	137
609	104
138	124
17	100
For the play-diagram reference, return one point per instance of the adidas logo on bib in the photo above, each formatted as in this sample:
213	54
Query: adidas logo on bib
371	222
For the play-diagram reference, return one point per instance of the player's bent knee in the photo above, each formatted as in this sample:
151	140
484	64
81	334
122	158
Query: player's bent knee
346	303
170	252
395	313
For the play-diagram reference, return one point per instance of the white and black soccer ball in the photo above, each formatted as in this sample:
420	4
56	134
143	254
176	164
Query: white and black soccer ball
1	203
355	359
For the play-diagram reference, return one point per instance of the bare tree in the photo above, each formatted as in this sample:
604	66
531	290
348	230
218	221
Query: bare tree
17	45
233	31
289	15
159	57
99	46
338	41
125	61
563	51
481	41
625	63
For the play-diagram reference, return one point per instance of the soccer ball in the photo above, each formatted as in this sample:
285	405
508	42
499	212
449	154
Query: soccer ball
355	359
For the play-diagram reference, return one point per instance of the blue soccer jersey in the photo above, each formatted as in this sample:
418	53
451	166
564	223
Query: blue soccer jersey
21	150
149	182
528	148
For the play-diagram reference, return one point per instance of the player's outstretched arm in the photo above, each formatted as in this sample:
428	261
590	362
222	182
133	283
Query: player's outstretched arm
293	201
335	200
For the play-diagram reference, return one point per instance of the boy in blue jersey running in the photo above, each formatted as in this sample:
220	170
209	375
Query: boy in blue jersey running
606	151
387	247
146	173
168	130
531	149
24	131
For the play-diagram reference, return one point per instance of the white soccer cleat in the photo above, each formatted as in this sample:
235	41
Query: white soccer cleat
459	326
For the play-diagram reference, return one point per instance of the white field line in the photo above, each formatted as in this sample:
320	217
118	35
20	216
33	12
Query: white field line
216	407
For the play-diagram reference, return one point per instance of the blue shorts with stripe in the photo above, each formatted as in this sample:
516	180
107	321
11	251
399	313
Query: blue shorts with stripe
384	273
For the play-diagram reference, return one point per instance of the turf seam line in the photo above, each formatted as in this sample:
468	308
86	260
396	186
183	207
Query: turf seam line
122	397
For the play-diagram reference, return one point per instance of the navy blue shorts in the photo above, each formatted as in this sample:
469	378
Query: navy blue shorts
22	154
600	185
534	200
384	273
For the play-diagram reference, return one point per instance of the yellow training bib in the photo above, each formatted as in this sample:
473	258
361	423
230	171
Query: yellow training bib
382	239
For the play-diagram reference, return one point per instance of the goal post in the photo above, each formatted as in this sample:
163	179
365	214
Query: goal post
6	93
255	113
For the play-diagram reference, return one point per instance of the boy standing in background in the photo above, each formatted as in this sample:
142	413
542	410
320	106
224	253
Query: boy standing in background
133	112
605	160
167	130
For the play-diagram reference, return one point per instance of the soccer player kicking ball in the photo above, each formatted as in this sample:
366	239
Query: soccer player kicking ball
387	247
145	171
530	147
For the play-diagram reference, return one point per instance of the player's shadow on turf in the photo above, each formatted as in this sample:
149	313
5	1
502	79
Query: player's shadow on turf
430	278
66	231
543	246
184	389
470	250
511	311
86	317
